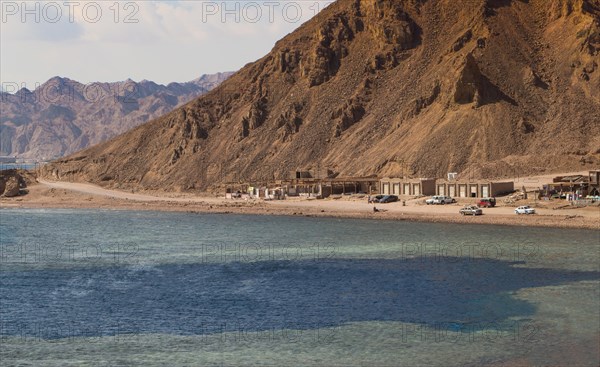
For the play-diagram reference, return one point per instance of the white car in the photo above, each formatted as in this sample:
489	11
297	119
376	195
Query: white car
435	200
525	210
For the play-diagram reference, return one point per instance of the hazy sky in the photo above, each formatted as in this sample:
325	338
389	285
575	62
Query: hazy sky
163	41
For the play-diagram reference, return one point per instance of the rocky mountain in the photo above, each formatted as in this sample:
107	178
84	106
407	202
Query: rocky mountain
63	116
384	87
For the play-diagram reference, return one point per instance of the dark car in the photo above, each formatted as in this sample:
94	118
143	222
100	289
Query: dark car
375	199
388	199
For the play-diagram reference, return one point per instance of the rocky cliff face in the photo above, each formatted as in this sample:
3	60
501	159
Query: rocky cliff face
63	116
385	87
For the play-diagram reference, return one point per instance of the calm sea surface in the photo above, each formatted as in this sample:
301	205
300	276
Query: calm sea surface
125	288
7	166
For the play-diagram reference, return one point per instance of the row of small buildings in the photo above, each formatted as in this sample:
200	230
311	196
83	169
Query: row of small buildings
310	187
432	186
323	188
582	185
306	185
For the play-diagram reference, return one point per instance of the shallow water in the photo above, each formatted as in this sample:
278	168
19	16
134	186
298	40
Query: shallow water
91	287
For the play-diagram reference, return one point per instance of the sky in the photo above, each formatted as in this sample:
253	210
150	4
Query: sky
162	41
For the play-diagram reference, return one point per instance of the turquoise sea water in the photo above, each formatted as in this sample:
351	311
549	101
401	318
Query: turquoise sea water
120	288
7	166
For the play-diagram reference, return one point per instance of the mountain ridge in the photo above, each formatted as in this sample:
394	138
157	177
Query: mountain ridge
387	88
62	115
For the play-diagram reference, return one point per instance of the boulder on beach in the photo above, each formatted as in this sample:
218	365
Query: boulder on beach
12	181
11	188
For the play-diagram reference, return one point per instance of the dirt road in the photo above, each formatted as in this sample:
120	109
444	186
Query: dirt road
91	189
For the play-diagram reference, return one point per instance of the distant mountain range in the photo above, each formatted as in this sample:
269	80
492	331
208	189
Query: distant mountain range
63	116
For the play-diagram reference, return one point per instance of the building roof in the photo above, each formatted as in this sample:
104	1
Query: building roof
574	178
408	180
474	182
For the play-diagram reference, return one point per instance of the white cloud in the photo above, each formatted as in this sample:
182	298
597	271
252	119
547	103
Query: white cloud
162	41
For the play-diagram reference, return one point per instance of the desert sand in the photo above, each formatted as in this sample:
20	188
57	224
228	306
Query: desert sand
50	194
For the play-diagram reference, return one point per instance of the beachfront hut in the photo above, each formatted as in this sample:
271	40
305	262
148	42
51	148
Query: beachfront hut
577	184
407	186
474	189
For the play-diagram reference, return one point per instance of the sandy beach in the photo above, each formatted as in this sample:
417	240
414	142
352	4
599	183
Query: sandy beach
47	194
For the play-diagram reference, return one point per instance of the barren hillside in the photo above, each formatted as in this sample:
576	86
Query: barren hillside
385	87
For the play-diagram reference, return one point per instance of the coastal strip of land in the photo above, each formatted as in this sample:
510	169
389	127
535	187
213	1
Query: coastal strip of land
75	195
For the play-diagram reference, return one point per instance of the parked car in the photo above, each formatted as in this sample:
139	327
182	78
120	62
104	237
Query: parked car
432	200
439	200
375	199
388	199
471	210
593	198
487	203
525	209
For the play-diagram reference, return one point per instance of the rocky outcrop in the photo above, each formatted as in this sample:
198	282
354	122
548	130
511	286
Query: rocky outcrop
390	24
354	109
422	103
11	188
11	183
462	41
289	122
474	87
330	48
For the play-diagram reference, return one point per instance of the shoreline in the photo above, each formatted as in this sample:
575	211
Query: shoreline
543	221
62	195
